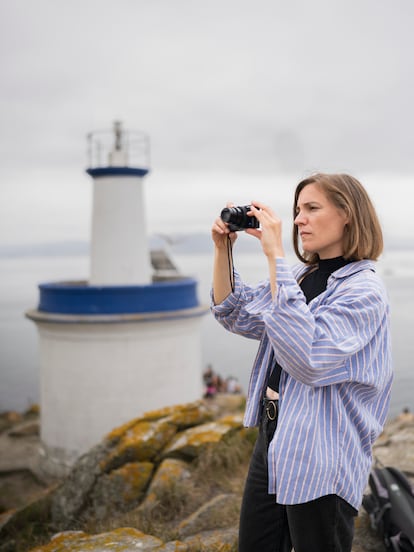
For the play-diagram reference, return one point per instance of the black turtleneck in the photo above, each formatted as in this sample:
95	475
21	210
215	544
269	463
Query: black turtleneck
314	283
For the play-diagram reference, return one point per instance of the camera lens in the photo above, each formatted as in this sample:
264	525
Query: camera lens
238	219
226	214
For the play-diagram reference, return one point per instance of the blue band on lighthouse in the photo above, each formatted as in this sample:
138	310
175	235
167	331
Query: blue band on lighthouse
80	298
98	172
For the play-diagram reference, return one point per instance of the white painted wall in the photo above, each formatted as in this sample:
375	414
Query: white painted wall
95	377
119	246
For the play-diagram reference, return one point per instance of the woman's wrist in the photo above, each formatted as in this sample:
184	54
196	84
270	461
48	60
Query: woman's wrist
221	249
277	253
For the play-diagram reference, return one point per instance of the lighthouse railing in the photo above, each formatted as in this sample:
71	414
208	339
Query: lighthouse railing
135	145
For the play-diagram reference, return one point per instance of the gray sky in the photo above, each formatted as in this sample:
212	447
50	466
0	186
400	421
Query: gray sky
239	97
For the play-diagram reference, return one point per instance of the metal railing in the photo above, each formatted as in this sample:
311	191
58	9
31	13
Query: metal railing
126	147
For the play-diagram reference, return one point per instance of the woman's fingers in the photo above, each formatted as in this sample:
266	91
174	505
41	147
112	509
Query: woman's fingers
262	211
254	232
220	227
270	233
220	232
259	205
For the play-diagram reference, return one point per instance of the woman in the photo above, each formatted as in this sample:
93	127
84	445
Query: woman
320	384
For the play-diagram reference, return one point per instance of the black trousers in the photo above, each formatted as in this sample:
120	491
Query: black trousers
322	525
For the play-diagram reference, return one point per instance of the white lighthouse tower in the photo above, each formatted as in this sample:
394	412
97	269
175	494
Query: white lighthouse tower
119	246
120	343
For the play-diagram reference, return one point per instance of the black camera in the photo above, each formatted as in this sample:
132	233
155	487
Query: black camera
238	219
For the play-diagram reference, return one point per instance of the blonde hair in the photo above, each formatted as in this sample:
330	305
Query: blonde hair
362	234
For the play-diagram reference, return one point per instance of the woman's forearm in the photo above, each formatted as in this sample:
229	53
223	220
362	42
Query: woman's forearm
222	275
272	276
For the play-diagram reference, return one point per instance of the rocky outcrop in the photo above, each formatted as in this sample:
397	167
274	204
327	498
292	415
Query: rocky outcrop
148	468
169	480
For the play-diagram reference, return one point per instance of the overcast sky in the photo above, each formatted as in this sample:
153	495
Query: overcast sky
241	99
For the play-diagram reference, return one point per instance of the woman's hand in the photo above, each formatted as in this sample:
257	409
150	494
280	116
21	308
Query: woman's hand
270	232
223	262
220	231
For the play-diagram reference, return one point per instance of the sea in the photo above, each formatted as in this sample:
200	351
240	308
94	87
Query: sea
228	355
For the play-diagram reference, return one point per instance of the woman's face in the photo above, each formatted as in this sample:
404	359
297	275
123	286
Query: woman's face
320	223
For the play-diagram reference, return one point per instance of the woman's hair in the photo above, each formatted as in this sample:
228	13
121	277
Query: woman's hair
362	234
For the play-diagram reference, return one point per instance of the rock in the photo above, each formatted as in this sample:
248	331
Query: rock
140	442
9	418
124	539
36	513
32	411
170	474
70	498
181	416
191	442
186	415
25	429
233	420
121	489
11	483
224	540
175	463
113	476
213	515
395	447
174	546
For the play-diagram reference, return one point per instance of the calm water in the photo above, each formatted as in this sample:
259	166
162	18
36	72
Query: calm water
229	354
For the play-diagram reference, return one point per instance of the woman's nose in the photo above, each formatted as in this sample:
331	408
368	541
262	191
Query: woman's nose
298	219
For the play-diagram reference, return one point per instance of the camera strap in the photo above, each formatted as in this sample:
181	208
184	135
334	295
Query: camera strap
230	261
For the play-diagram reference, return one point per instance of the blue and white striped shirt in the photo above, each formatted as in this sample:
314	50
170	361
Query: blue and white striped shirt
336	378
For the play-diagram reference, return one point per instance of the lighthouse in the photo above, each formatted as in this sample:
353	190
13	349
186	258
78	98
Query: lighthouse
119	245
125	341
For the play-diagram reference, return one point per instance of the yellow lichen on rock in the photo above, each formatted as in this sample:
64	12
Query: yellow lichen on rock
169	411
142	442
120	490
170	473
189	442
233	420
116	434
135	478
182	415
118	540
194	414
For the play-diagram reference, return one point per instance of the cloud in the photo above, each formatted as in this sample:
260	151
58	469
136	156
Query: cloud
229	87
223	76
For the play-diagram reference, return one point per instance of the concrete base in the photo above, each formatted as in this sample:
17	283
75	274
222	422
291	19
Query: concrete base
97	376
